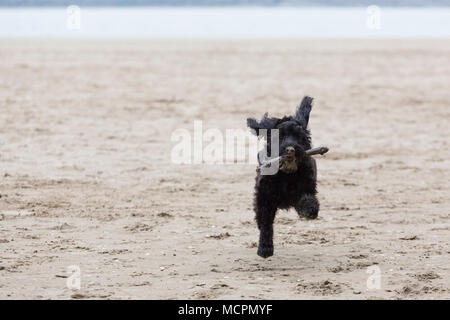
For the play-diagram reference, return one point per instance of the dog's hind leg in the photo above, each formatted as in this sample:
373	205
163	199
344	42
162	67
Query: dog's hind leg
308	206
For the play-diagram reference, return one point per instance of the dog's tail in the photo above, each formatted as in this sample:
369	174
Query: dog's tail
302	114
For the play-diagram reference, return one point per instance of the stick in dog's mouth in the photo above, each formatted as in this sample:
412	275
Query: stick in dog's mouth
287	161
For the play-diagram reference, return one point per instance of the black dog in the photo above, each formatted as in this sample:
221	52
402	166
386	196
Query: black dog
294	185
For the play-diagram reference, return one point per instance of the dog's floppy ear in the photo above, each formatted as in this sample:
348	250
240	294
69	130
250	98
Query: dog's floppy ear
265	123
302	114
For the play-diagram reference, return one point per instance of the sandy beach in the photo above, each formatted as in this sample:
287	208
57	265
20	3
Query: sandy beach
86	178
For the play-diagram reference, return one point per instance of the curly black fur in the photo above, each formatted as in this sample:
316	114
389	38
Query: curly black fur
285	189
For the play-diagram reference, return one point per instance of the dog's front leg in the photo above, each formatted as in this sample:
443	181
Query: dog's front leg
265	215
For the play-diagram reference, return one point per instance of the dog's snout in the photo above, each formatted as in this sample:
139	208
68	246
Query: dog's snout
290	150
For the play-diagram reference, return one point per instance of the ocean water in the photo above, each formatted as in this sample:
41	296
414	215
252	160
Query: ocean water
247	22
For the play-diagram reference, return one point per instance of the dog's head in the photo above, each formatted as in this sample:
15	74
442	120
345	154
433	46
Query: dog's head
294	136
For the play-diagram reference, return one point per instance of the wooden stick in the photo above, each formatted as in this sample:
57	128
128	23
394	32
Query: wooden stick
318	150
310	152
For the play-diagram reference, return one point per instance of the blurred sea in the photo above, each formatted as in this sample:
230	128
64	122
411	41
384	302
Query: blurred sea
259	22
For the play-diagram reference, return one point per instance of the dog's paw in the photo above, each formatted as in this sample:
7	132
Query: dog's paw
309	214
308	207
265	252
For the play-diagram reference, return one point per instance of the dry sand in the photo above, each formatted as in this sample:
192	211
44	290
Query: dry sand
86	177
